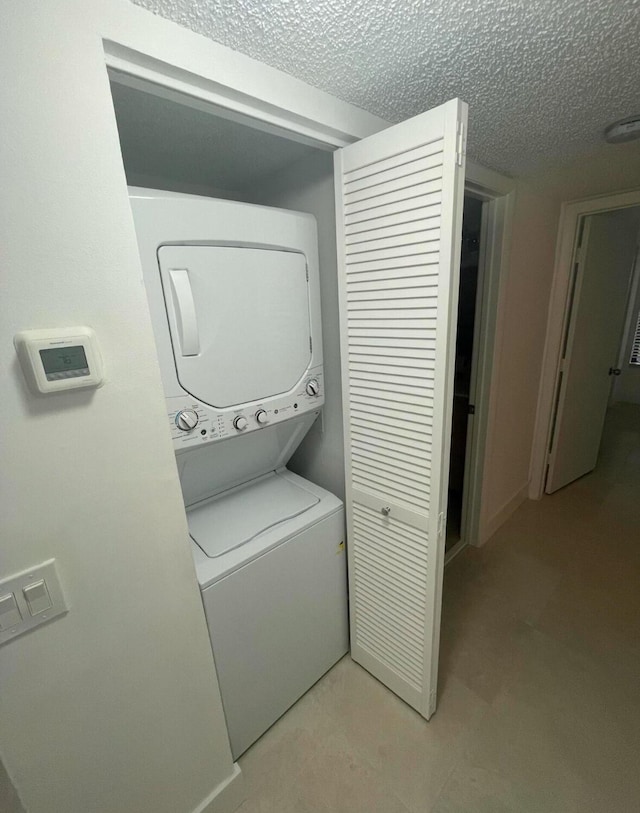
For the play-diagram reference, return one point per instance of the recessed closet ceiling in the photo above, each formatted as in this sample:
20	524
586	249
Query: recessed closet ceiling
175	146
542	77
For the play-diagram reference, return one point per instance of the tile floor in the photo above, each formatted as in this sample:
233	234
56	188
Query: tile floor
539	695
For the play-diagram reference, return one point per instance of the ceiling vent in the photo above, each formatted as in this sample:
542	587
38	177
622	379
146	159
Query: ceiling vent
624	130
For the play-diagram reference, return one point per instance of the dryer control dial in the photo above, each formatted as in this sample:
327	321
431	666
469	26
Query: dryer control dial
240	423
187	419
313	387
262	417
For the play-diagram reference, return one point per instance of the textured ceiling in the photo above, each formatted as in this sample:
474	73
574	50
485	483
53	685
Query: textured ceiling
542	77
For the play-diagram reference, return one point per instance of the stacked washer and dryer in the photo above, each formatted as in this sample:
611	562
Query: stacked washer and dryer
234	297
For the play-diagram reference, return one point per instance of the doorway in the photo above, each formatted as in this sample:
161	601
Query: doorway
599	321
568	233
463	403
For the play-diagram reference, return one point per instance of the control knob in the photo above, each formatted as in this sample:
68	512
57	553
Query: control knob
262	417
240	423
187	419
313	387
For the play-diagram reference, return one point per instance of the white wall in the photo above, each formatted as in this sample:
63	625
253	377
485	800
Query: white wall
518	356
115	707
9	801
525	302
307	186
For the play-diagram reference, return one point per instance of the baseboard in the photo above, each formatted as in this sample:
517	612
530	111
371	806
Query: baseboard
503	514
227	796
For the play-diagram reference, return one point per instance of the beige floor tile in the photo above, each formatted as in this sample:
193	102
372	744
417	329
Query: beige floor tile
304	764
485	608
557	739
412	756
600	625
479	653
504	788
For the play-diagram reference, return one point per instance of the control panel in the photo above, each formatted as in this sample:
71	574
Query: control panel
193	423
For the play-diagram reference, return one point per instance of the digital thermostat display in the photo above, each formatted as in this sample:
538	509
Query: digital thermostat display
64	362
59	359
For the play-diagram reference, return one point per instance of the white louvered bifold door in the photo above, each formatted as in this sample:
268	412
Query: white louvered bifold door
399	199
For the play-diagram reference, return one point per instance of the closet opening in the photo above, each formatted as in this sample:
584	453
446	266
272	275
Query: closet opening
469	306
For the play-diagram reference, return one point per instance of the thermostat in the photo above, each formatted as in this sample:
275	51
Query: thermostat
60	358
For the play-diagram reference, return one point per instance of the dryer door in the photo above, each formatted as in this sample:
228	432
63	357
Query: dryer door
239	320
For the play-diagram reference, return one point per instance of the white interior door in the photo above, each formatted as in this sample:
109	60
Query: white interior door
399	198
597	307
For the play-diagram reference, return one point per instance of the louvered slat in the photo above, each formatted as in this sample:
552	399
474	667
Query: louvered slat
397	234
400	159
391	249
388	212
410	162
427	216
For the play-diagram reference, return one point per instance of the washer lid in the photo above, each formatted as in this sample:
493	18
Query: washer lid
238	516
239	320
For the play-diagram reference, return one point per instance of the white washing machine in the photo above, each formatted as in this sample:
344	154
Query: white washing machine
234	296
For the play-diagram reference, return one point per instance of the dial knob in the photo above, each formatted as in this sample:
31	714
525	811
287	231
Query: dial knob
313	387
187	419
262	417
240	423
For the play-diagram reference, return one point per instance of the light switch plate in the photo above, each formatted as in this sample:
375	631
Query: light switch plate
16	584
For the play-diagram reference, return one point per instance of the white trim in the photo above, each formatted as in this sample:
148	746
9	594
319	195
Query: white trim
570	214
487	181
632	318
225	797
497	192
177	86
503	514
138	41
211	91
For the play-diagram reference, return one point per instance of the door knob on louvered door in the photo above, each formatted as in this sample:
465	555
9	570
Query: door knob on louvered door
385	511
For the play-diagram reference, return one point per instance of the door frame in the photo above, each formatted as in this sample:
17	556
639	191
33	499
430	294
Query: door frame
214	92
631	315
571	213
497	192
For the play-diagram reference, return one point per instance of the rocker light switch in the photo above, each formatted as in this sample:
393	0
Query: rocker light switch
37	596
9	612
29	599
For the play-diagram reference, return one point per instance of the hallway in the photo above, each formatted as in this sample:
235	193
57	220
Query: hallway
539	708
